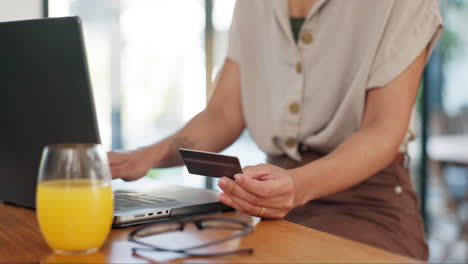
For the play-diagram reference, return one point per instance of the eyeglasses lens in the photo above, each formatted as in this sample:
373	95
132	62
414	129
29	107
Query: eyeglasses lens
225	231
158	229
220	224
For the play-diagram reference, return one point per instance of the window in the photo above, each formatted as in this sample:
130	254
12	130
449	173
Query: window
446	119
148	68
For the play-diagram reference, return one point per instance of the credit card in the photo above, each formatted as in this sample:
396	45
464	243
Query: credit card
210	164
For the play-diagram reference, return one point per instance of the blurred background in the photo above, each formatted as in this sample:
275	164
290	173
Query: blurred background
441	152
152	64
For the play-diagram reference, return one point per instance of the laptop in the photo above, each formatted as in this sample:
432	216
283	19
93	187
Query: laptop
46	98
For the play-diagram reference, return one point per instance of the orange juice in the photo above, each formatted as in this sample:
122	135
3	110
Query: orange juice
74	215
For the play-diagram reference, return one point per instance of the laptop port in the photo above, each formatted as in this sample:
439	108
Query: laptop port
159	212
150	214
140	215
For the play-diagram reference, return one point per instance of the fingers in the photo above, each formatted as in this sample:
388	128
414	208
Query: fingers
258	171
262	188
118	163
128	166
229	202
228	185
233	189
116	158
117	171
127	172
250	209
122	167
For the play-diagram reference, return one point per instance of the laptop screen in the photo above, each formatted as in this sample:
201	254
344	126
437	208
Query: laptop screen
45	98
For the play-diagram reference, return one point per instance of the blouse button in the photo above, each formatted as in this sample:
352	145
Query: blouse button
290	142
299	67
307	38
398	189
294	108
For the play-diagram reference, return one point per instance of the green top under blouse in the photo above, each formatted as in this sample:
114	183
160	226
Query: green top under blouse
296	24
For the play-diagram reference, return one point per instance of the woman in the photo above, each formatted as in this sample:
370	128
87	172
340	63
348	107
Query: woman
326	89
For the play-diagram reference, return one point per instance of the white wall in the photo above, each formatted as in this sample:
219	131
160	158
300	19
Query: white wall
20	9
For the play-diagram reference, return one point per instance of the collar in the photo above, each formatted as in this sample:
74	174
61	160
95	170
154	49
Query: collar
282	14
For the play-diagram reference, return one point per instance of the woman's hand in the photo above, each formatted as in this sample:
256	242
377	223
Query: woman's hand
262	186
130	166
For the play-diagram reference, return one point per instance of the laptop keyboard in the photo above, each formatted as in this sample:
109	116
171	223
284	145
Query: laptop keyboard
128	200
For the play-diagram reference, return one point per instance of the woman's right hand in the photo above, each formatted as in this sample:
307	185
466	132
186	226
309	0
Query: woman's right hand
131	165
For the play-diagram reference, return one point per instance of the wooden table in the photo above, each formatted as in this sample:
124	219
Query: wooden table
274	241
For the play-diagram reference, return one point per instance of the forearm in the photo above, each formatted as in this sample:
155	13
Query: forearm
373	147
206	131
213	129
357	158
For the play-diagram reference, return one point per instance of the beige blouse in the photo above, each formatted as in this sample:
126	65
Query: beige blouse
313	92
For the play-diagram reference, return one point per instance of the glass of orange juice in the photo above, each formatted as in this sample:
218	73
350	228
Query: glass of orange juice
74	198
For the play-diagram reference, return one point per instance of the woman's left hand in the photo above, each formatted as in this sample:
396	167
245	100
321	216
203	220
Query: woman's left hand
262	186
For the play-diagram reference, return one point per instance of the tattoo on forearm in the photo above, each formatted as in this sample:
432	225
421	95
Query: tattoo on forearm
172	157
179	142
182	142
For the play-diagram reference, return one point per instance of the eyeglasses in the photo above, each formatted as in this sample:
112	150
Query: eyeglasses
201	224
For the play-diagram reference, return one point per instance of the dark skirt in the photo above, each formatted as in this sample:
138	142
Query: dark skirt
382	211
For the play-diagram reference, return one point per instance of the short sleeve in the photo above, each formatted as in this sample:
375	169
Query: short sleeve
412	25
235	35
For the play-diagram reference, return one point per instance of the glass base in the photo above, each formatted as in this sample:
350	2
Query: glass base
75	252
